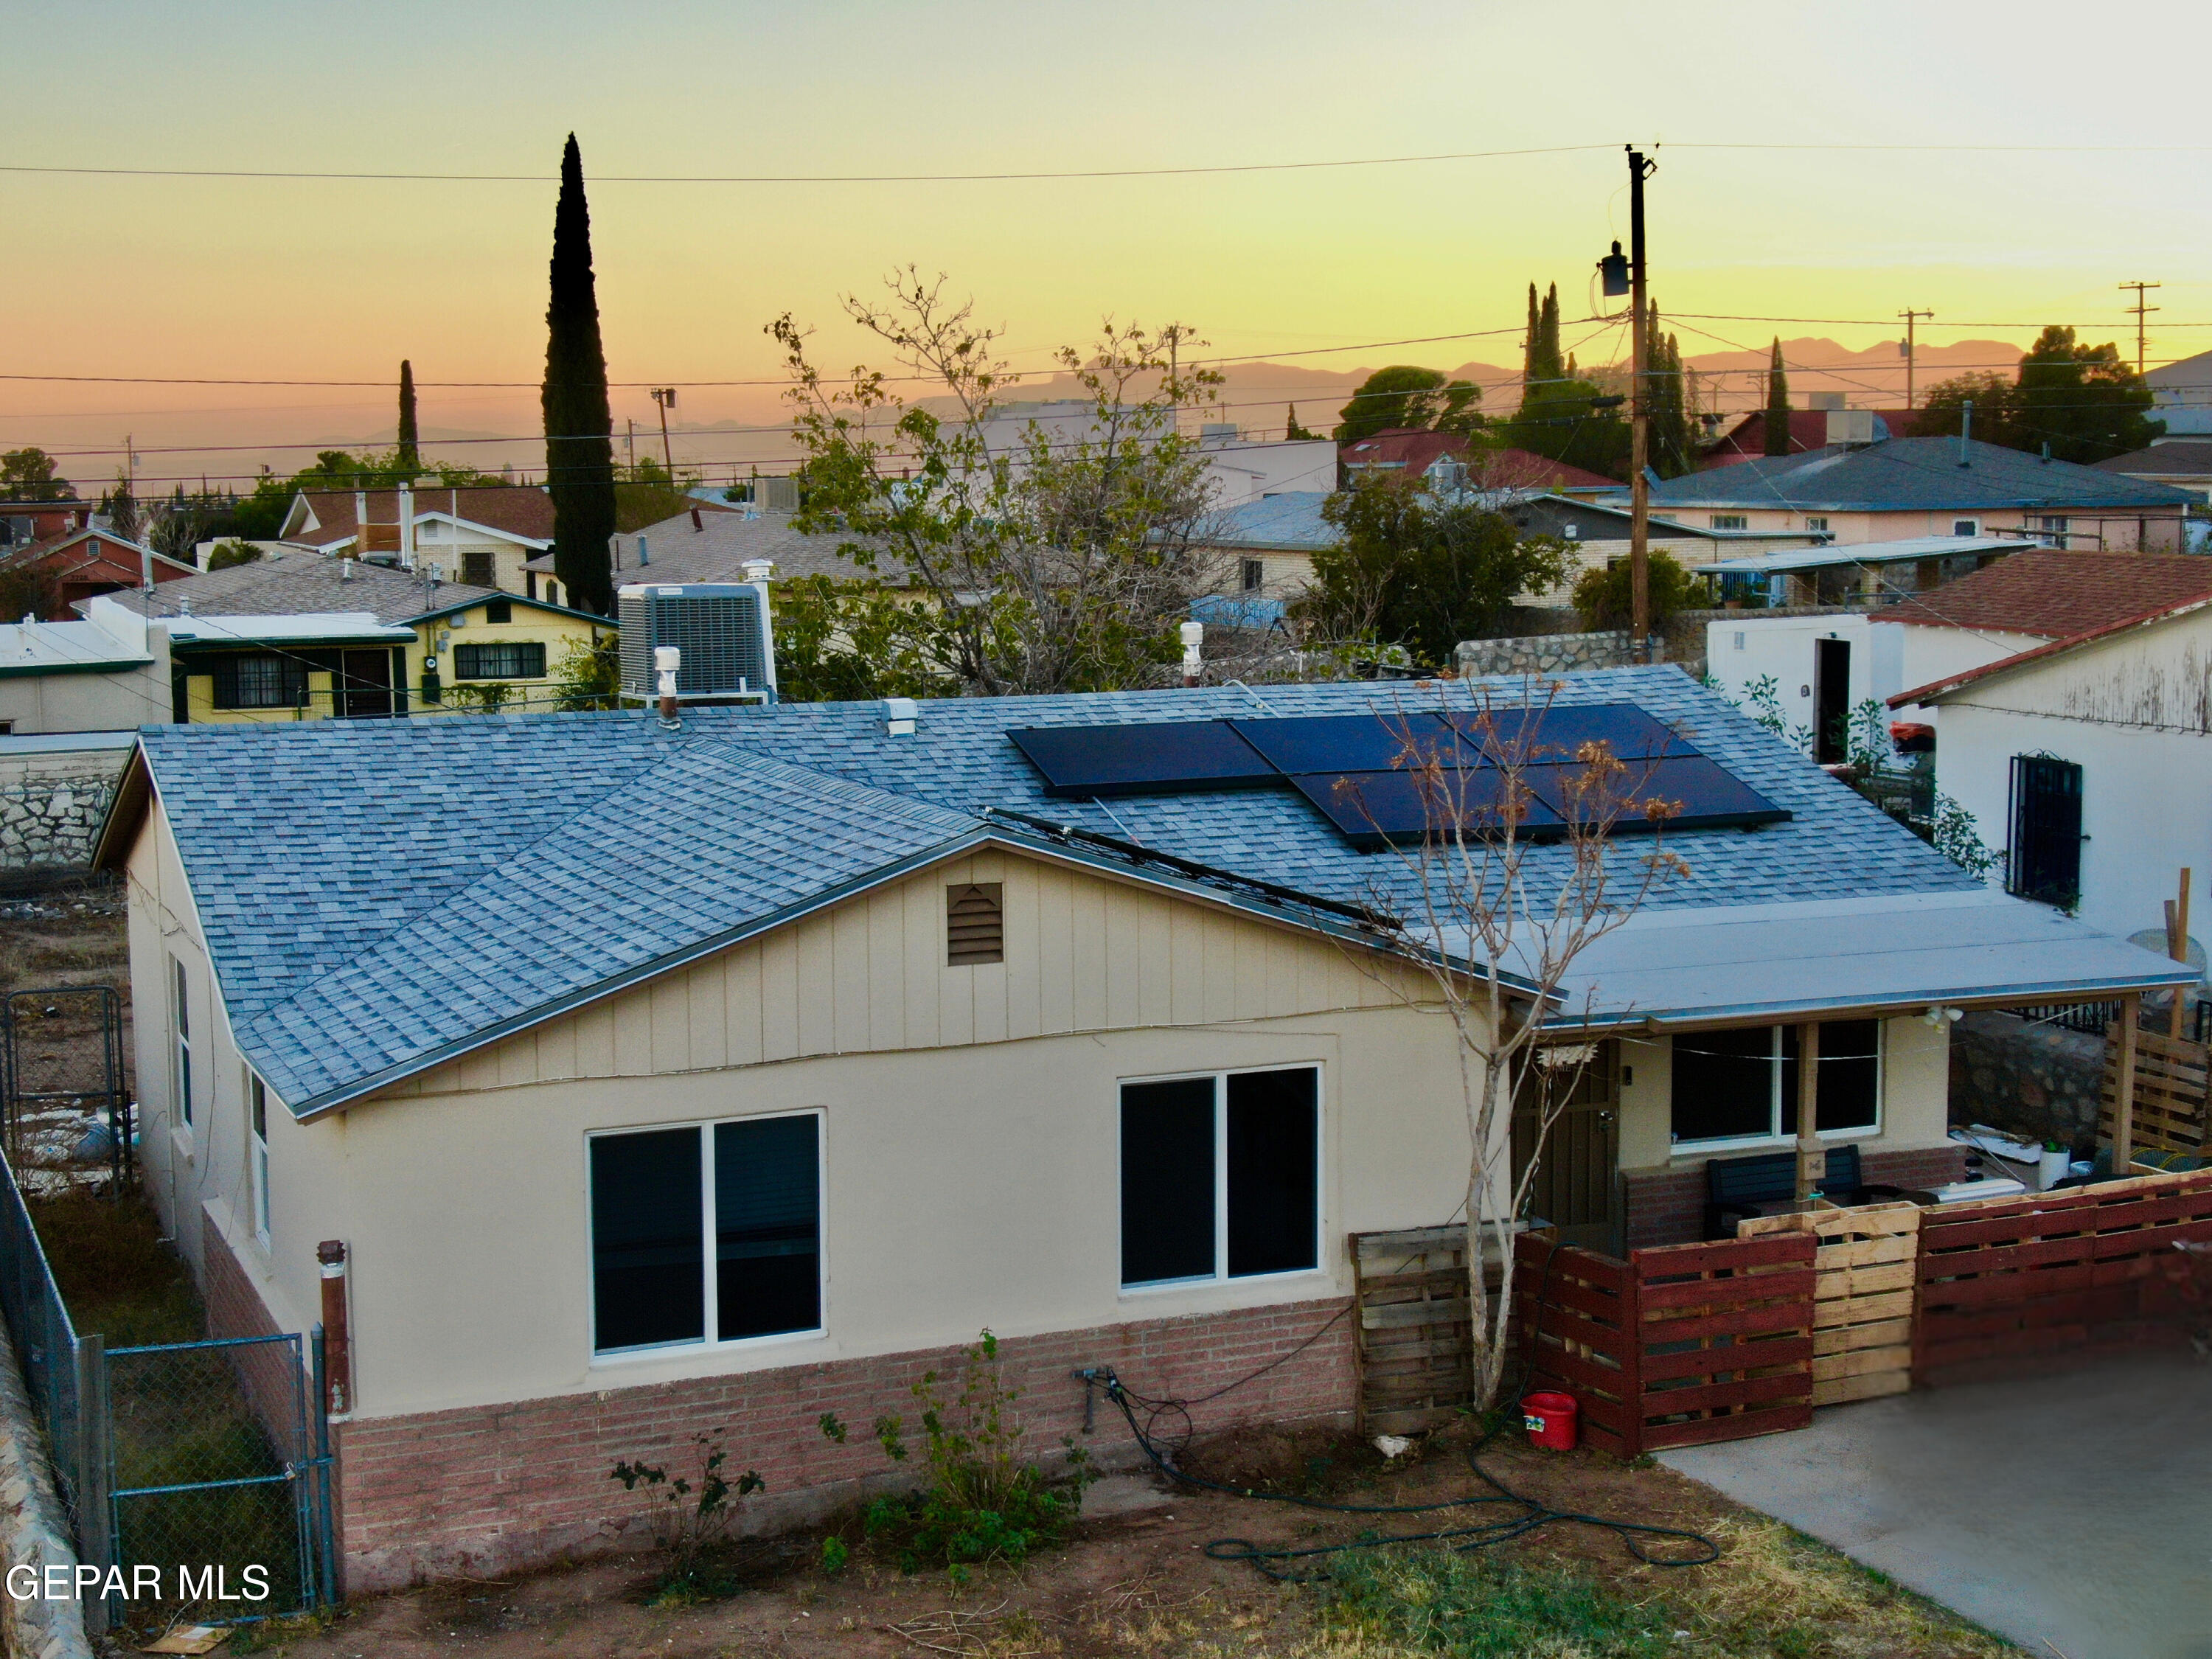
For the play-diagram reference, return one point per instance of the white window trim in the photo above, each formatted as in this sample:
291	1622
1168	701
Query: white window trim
257	1153
710	1343
1781	1112
180	1047
1220	1275
1976	523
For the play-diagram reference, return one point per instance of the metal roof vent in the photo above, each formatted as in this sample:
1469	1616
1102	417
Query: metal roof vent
721	628
899	715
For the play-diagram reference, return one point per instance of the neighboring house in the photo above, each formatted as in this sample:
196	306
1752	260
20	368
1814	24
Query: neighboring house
107	673
481	535
2181	463
1860	573
1241	470
1901	487
1826	665
654	1081
2181	396
304	636
87	561
24	522
1743	437
1436	458
2087	761
702	545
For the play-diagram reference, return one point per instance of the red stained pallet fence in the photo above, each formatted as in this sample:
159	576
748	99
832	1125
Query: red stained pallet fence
2008	1276
1677	1345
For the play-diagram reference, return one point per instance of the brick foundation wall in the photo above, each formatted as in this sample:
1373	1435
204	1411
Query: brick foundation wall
487	1489
1667	1206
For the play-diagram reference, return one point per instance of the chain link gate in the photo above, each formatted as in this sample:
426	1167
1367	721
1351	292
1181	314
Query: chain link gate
218	1457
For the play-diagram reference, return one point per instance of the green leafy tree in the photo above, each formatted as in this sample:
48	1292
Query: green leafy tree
2084	402
588	675
1778	403
1604	598
123	517
224	555
1573	422
1411	571
27	475
409	450
1405	397
1054	564
1673	448
1295	433
31	590
580	451
854	641
1542	359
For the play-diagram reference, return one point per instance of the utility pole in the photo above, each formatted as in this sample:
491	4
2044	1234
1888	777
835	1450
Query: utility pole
2140	311
629	443
1639	412
665	396
1911	318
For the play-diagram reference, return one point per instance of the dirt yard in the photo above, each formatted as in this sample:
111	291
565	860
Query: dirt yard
1140	1583
66	936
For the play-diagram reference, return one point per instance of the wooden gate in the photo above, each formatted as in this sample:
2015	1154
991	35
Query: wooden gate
2172	1075
1577	1192
1865	1264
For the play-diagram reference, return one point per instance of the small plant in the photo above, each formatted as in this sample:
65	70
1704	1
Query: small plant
480	696
1866	739
1956	835
691	1519
982	1502
834	1555
1762	701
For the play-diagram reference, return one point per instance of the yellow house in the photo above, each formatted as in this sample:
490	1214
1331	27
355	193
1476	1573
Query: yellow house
301	635
608	1081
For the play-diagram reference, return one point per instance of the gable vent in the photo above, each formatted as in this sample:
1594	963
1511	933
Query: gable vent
975	924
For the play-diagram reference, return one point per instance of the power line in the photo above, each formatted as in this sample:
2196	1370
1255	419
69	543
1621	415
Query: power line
802	177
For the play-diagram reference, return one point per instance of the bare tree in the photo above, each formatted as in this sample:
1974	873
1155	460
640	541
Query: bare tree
1061	557
1520	867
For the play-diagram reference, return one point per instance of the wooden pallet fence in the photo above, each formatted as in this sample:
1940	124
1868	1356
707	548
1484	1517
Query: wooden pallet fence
1865	1264
1725	1337
1574	1319
2172	1076
2002	1277
1415	1337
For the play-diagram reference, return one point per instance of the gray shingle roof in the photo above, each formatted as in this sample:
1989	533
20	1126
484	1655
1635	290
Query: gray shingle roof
1290	519
1911	473
375	892
304	584
716	551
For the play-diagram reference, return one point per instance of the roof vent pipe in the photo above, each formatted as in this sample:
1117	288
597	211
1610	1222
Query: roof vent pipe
666	661
759	570
1194	660
644	554
899	714
1965	427
696	523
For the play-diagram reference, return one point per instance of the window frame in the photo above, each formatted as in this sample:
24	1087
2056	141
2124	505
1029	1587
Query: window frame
479	646
1731	521
1221	1275
180	1042
711	1266
1973	526
1782	1113
257	1153
290	691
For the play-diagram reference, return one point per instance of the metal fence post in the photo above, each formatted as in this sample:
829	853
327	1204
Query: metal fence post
95	1531
326	1572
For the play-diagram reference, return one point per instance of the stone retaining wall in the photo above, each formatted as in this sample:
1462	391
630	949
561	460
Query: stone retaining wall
52	807
34	1532
1542	653
2039	1082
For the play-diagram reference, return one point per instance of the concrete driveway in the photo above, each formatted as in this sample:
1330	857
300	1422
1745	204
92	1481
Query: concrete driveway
2070	1511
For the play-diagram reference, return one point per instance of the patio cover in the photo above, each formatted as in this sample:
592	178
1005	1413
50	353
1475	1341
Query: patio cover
1839	553
1883	953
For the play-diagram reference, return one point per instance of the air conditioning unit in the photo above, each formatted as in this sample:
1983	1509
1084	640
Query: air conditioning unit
1850	426
720	627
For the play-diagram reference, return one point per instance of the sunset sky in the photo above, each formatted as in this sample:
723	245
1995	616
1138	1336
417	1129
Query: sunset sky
337	280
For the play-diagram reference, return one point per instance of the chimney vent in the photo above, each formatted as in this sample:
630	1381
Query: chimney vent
695	524
759	570
899	715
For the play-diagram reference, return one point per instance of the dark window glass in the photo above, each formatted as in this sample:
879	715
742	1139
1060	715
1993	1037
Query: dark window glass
768	1235
259	682
497	611
1272	1155
1167	1181
1724	1084
648	1261
477	566
510	660
1850	1075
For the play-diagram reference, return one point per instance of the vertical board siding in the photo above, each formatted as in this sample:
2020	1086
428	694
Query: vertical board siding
1083	953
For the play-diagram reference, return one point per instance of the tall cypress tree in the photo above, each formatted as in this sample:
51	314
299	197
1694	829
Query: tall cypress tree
410	454
1550	365
1532	341
1672	448
1778	405
580	451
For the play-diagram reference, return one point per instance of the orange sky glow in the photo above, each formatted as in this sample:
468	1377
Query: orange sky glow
331	280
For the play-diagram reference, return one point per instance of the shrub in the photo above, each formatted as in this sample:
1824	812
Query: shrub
691	1519
1606	600
981	1502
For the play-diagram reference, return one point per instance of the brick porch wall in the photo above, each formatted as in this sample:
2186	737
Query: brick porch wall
486	1490
1667	1206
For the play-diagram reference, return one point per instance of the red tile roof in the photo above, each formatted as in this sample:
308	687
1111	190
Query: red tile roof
1416	450
2059	595
1410	447
519	509
1747	440
1524	469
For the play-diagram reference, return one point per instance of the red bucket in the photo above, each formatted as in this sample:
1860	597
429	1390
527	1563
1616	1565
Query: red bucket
1550	1421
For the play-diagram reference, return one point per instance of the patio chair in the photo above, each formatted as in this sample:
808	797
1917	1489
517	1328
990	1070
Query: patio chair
1766	1182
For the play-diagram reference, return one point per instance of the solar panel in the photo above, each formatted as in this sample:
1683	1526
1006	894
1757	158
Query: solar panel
1559	733
1162	757
1343	743
1681	792
1374	809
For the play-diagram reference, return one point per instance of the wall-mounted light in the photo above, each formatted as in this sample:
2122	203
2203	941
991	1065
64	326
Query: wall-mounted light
1940	1015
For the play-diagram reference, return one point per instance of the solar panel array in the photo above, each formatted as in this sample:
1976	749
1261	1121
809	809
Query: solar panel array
1388	780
